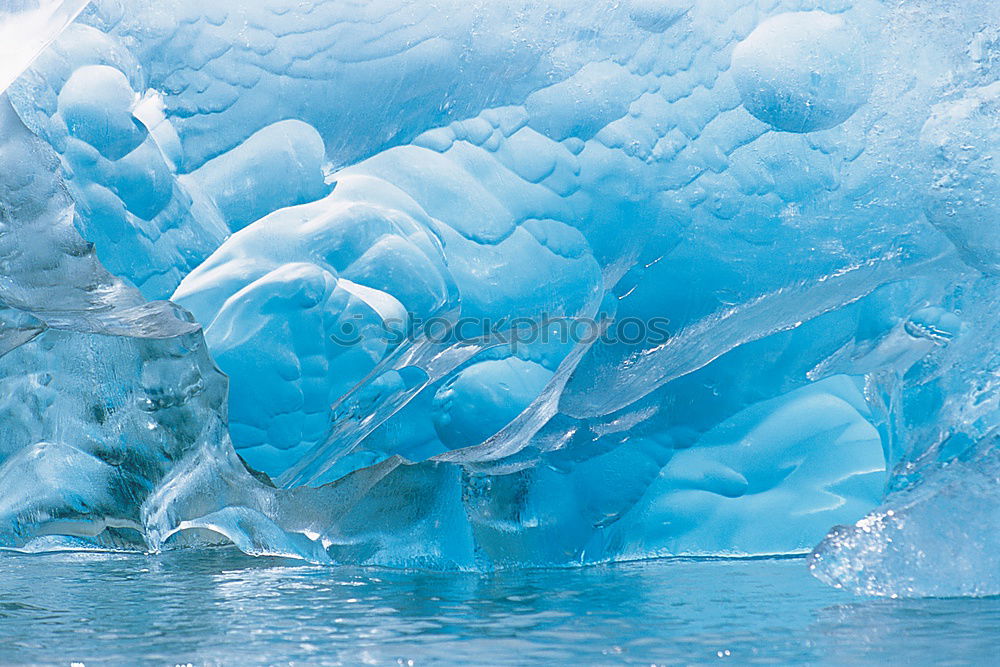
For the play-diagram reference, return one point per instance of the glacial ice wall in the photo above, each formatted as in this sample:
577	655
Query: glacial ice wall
776	219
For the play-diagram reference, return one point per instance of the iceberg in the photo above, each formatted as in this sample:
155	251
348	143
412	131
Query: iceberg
478	284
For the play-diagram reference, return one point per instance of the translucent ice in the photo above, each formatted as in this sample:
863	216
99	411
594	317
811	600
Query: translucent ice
508	283
26	28
936	533
802	71
102	393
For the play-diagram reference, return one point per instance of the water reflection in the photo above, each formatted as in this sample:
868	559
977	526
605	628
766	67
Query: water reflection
222	607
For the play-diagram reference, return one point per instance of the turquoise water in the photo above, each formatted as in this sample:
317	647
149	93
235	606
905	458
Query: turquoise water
219	607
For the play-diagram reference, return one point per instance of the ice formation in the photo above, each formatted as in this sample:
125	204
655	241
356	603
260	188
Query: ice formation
26	28
777	218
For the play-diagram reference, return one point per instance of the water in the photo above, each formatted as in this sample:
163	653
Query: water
220	607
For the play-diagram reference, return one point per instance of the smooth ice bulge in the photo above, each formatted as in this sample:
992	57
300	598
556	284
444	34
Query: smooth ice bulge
803	71
776	218
961	137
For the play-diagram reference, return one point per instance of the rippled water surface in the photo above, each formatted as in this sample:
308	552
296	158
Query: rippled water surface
219	607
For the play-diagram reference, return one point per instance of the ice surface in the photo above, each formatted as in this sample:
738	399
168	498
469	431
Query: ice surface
802	71
102	391
793	201
27	27
936	534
